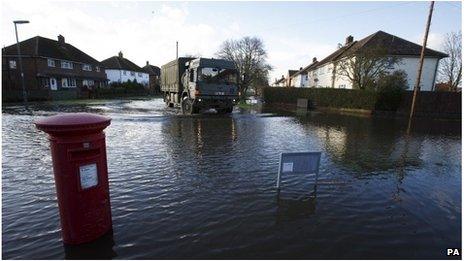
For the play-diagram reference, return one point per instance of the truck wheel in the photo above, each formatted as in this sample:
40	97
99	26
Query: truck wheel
187	106
168	102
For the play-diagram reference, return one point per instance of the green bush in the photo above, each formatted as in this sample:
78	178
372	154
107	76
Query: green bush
323	97
390	89
386	96
115	90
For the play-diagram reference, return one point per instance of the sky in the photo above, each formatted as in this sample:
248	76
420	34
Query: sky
293	32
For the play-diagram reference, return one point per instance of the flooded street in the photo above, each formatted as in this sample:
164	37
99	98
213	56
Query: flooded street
203	186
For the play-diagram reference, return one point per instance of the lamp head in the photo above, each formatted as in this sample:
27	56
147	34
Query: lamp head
21	22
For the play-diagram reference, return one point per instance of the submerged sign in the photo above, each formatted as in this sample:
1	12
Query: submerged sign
299	162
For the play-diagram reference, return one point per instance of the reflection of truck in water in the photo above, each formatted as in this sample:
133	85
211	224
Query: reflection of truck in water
200	83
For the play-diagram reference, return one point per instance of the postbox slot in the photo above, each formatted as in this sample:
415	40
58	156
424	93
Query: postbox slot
76	154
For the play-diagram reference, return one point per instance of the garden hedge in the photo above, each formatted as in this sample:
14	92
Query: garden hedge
323	97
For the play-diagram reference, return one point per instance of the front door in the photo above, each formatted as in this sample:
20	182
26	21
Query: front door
53	84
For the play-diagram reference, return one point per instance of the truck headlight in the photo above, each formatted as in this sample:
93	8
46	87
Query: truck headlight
199	100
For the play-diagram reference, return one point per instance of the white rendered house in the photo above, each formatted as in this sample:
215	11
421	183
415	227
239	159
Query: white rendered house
120	69
324	74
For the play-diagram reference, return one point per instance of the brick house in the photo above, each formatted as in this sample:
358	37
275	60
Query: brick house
50	66
154	76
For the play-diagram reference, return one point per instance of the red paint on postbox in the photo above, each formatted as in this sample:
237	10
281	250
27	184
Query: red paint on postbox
78	150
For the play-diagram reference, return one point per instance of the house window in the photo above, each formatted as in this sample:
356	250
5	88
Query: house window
124	72
51	62
66	65
68	82
139	74
86	67
342	86
12	64
132	73
97	68
88	83
44	82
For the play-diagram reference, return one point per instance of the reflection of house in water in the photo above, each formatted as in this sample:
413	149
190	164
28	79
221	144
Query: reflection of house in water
335	140
362	144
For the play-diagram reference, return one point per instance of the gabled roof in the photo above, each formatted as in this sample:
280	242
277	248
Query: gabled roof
306	69
152	70
394	46
44	47
121	63
335	55
280	80
291	72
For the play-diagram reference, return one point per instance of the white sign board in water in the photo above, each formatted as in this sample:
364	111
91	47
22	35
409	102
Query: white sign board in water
287	167
299	162
88	175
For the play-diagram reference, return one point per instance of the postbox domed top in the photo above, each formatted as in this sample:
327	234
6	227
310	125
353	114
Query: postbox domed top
73	123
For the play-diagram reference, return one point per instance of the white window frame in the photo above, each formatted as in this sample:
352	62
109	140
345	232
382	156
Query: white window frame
87	67
45	82
66	65
88	82
132	73
139	74
97	68
12	64
51	63
70	82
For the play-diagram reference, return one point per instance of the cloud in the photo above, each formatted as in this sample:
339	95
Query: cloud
292	53
435	41
140	38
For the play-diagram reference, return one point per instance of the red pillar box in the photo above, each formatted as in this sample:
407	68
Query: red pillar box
78	150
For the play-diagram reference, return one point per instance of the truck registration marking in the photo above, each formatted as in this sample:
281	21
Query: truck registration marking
88	175
219	93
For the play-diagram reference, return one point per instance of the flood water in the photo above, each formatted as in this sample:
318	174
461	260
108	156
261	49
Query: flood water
204	186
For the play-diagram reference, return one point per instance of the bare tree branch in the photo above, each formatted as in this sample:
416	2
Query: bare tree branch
450	70
366	66
249	56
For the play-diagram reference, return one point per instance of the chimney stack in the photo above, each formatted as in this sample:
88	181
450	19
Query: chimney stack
120	54
349	40
301	68
314	59
148	63
60	39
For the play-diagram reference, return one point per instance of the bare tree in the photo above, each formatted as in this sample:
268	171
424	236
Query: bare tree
451	68
364	67
249	56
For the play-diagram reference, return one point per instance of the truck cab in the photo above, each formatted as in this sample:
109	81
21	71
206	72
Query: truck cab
209	83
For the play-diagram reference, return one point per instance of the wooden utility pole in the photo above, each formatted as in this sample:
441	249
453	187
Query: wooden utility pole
421	63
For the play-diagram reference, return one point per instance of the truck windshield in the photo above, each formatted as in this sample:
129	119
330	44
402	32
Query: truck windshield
218	75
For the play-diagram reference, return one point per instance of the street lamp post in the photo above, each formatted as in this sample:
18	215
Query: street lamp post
20	61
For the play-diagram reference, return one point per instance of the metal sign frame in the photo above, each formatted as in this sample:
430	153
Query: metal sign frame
309	153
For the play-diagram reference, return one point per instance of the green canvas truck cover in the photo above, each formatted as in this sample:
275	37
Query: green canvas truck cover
171	74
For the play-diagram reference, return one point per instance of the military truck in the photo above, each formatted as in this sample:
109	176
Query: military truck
195	84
